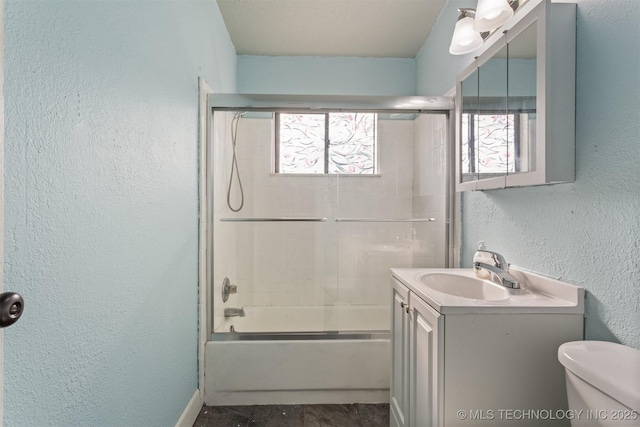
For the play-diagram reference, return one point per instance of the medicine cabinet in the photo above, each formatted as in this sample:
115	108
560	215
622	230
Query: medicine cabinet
515	104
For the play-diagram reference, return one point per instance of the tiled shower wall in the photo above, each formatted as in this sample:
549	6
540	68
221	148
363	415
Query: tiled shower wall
326	263
430	188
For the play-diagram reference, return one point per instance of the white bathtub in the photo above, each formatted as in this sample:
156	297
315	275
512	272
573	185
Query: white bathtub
255	368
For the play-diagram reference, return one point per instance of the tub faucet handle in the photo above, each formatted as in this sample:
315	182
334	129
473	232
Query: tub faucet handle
227	289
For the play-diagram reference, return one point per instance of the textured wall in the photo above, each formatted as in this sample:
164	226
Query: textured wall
588	232
326	75
436	69
101	215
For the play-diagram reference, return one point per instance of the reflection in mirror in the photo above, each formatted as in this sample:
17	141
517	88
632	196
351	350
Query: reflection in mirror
469	128
494	124
522	100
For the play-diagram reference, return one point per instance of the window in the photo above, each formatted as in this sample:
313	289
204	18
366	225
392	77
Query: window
326	143
496	143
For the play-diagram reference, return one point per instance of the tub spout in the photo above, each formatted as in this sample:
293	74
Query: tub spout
234	312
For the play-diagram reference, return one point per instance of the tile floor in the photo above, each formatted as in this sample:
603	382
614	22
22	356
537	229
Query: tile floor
349	415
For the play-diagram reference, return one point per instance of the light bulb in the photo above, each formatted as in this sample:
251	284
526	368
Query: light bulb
491	14
465	39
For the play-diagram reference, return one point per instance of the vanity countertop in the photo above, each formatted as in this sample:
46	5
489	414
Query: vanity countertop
538	294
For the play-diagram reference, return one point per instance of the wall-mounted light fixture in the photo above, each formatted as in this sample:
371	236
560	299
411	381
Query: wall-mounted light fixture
491	14
474	25
465	37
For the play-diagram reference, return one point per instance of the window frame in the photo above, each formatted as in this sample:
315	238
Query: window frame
471	137
327	144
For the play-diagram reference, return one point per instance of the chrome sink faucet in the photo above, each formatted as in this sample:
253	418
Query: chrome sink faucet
497	266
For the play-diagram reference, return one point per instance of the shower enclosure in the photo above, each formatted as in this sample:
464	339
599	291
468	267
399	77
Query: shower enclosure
311	202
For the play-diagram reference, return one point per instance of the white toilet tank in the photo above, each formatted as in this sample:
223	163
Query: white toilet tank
603	383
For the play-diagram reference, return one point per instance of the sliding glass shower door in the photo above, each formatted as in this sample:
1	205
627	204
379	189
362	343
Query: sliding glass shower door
310	251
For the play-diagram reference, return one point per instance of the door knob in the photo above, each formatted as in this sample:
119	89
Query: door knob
11	308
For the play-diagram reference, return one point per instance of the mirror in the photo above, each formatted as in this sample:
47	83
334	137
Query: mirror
469	128
498	114
515	104
494	124
523	100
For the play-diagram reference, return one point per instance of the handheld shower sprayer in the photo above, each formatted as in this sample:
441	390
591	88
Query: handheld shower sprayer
234	162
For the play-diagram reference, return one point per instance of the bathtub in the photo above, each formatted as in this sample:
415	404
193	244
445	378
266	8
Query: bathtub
266	361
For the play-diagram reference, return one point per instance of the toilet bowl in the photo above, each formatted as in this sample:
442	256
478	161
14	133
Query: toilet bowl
603	383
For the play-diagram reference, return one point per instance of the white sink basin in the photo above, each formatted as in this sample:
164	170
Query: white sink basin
459	291
465	287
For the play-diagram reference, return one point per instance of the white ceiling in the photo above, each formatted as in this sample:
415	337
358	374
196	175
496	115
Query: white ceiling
360	28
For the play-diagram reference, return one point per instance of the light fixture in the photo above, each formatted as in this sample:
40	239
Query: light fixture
490	14
465	38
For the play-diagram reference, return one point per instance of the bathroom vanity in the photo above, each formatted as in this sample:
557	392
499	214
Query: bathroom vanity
470	352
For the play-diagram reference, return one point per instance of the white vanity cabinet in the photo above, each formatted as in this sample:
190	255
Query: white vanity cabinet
414	384
470	366
399	387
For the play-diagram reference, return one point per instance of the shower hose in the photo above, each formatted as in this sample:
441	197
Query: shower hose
234	164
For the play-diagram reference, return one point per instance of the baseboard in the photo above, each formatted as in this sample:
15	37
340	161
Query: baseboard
298	397
191	411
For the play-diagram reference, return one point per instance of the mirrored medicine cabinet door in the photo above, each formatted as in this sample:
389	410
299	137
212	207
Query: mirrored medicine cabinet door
498	113
495	134
523	100
468	128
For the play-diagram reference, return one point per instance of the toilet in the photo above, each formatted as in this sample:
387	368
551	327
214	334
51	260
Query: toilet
603	383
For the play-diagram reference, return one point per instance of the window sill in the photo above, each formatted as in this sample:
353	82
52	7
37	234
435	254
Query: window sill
323	175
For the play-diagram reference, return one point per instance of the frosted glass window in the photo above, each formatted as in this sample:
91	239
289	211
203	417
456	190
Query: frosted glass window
327	143
496	143
492	146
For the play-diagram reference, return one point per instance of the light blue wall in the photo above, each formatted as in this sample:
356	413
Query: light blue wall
493	78
436	69
101	215
588	232
326	75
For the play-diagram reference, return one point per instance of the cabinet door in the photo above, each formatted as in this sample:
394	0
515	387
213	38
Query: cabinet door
467	131
494	137
523	99
400	356
424	361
